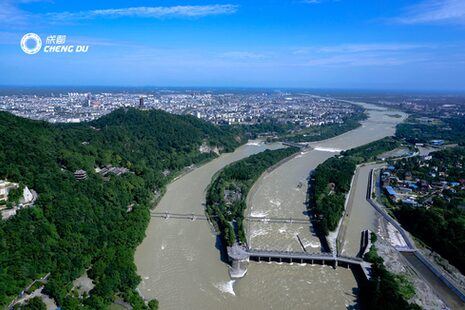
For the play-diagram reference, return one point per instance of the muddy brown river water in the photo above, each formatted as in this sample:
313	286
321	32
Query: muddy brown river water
180	264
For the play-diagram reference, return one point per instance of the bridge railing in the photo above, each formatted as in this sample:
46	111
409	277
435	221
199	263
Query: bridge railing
351	257
248	218
258	251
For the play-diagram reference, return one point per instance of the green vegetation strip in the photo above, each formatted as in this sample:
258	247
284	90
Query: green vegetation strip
420	128
79	225
226	197
332	181
327	131
296	133
385	290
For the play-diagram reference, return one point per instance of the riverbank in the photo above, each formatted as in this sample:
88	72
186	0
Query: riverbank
431	274
267	172
226	196
364	216
178	258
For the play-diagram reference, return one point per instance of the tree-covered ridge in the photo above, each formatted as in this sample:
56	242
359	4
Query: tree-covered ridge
226	196
177	132
331	181
422	128
440	228
77	225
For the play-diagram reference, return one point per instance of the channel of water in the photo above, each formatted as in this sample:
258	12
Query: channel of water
179	260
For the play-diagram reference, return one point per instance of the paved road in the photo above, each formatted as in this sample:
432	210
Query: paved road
444	287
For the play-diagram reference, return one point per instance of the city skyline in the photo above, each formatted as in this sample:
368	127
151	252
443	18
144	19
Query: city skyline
405	45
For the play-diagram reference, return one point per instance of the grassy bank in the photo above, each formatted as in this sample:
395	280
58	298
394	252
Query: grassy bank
331	182
385	290
226	196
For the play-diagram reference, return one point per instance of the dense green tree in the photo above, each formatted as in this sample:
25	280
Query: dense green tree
328	201
153	304
449	129
32	304
441	229
442	225
77	225
296	132
383	291
238	177
15	194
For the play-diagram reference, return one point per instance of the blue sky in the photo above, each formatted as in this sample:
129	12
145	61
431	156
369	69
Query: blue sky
367	44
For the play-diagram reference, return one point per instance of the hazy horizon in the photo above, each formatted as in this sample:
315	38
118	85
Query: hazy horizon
304	44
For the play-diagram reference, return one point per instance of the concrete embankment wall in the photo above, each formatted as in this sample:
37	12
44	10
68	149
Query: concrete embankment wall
441	285
455	298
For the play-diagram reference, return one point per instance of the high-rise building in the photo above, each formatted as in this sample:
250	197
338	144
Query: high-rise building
141	102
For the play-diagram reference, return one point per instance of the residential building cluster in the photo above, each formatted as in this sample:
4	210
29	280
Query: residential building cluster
219	108
445	106
419	180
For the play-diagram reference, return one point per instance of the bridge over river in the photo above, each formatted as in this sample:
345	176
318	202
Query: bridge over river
241	255
178	257
203	217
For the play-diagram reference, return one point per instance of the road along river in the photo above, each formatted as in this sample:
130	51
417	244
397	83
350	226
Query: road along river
180	265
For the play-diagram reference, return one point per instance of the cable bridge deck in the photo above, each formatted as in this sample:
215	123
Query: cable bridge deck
203	217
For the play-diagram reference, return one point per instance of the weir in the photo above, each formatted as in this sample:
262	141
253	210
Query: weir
240	256
294	144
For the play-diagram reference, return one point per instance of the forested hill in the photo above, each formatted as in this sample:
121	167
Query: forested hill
79	225
143	141
173	132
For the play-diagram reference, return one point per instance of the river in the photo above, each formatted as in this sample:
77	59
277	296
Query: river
180	265
361	215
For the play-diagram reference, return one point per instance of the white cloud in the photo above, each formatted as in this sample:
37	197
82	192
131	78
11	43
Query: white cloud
149	12
357	48
362	48
434	11
242	55
364	54
10	13
7	37
360	60
317	1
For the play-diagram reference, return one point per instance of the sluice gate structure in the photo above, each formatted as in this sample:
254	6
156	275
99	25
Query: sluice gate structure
240	256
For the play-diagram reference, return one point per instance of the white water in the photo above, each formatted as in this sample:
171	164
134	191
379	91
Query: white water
226	287
325	149
188	273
